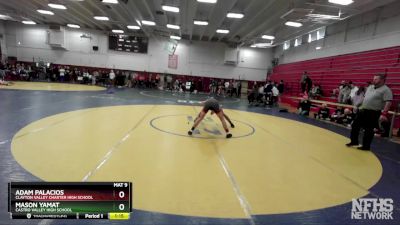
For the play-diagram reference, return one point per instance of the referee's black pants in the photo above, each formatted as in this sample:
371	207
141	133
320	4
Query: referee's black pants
368	120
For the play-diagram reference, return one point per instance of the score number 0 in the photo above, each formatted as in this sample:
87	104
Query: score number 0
121	194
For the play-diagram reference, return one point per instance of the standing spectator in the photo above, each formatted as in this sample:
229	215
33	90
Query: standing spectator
377	97
251	97
305	83
234	88
342	84
268	87
149	82
111	77
157	80
2	71
281	87
67	74
220	87
199	85
62	73
336	91
275	94
226	86
85	76
353	91
169	82
239	91
176	85
260	94
74	75
268	92
214	86
96	77
192	86
54	74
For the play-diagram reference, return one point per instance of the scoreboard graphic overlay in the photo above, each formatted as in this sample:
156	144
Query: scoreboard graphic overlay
70	200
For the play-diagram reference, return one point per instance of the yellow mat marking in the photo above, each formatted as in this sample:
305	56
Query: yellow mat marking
284	166
44	86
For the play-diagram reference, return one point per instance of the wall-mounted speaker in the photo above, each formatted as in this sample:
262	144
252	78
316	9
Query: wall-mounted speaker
95	48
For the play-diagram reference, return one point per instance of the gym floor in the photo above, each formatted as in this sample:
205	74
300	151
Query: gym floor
278	168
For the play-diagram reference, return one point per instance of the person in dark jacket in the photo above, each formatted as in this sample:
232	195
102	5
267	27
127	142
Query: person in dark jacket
281	87
323	113
304	106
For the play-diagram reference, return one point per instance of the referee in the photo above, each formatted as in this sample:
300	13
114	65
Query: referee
375	106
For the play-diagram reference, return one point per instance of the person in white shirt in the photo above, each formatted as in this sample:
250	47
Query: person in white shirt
112	78
62	73
226	84
95	77
89	76
353	91
275	94
260	94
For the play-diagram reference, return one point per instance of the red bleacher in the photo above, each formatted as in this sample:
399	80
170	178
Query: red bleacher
356	67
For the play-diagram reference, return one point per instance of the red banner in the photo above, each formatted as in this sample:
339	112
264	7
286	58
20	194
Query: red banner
173	61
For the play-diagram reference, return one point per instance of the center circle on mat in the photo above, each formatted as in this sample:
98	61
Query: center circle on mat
284	167
209	128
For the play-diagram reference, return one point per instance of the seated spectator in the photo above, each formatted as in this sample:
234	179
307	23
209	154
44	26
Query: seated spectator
337	114
304	106
346	118
251	97
384	127
323	112
315	92
344	94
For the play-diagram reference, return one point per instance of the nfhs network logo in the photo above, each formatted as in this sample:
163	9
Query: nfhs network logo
372	209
